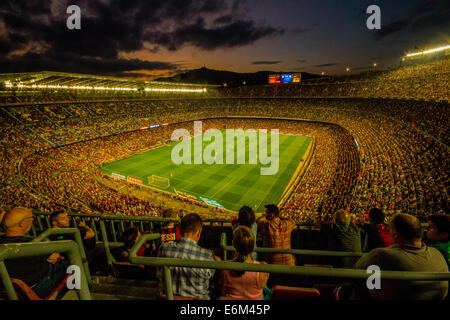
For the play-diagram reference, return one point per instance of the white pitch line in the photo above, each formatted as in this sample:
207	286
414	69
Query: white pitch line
268	190
226	184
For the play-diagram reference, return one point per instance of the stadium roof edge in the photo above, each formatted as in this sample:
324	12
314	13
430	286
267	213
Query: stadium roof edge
51	76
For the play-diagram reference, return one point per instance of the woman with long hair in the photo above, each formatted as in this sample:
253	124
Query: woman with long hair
244	284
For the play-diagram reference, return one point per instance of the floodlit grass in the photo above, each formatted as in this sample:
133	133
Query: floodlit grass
231	185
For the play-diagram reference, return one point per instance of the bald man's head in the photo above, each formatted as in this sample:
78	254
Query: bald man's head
18	221
342	216
407	227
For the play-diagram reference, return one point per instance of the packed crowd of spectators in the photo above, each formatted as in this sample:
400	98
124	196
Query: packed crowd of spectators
395	155
69	174
385	153
401	166
43	96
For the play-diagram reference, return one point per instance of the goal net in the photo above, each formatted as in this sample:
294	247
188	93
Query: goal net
159	182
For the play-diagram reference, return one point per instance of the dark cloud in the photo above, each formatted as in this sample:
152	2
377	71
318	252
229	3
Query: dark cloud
224	19
438	20
390	28
38	28
141	75
265	62
359	68
239	8
425	16
422	7
237	33
301	60
330	64
213	6
134	75
74	63
430	14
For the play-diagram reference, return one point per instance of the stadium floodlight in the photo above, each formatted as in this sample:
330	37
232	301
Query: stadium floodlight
428	51
175	90
52	86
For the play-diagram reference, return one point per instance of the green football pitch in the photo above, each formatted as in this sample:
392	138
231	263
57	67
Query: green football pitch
229	185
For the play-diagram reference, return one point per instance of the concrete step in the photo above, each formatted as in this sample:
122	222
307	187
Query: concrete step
110	288
72	295
104	296
107	288
125	282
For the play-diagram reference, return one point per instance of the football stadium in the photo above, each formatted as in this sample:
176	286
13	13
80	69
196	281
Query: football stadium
211	185
225	186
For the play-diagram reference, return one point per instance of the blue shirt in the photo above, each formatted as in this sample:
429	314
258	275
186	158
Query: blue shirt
188	282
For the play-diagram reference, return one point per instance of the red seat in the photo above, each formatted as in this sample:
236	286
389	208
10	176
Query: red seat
294	293
24	292
328	291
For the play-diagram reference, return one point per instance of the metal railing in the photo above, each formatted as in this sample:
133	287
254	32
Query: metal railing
225	247
145	220
76	233
165	263
107	228
31	249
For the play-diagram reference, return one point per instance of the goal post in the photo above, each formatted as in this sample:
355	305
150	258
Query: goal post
158	181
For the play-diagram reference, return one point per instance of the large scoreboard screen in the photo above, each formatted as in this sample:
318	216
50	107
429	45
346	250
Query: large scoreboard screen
274	78
285	78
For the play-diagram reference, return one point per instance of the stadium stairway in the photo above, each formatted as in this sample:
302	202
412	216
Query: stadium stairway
110	288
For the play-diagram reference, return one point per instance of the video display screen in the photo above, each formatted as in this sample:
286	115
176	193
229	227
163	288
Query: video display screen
285	78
